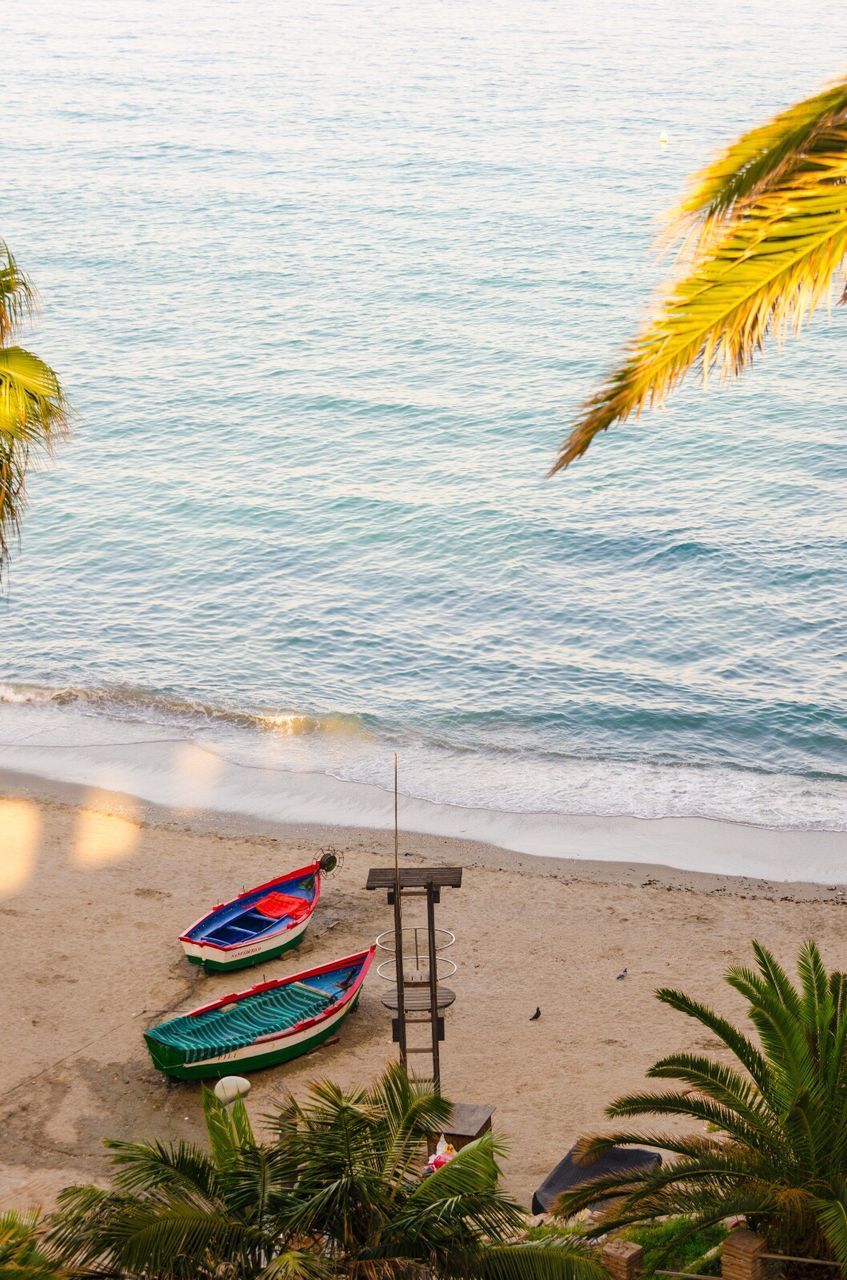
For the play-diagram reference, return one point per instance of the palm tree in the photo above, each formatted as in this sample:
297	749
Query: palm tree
771	1138
763	232
337	1192
21	1254
33	409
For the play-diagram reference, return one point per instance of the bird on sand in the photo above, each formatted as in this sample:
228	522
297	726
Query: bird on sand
536	1015
622	973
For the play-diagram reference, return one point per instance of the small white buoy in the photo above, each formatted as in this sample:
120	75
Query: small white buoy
663	139
230	1088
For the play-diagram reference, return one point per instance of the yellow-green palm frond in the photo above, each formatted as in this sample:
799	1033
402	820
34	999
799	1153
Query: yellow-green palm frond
761	159
33	418
16	294
762	273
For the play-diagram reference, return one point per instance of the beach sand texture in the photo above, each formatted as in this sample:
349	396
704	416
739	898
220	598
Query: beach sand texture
95	888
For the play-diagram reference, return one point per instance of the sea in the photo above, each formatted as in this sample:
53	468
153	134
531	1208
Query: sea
327	282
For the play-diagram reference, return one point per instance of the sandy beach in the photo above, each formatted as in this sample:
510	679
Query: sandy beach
95	888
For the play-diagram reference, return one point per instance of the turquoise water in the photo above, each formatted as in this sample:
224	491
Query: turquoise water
326	283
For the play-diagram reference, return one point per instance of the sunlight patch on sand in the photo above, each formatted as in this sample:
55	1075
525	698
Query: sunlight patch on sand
20	829
101	838
198	770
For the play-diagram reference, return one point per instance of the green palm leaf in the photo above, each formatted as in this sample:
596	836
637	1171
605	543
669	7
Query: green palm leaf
33	418
17	295
833	1217
172	1237
22	1256
554	1258
181	1167
296	1264
33	409
228	1127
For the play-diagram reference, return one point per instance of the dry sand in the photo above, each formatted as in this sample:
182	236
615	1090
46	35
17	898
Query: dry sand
94	890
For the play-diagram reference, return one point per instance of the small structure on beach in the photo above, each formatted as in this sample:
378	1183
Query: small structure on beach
415	962
415	967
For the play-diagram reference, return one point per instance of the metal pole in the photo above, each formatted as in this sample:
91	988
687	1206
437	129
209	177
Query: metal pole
398	937
433	986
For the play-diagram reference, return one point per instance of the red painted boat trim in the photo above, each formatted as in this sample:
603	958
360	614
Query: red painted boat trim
313	868
274	983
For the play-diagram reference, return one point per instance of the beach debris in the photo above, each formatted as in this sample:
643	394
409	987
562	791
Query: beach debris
536	1015
622	973
443	1154
231	1087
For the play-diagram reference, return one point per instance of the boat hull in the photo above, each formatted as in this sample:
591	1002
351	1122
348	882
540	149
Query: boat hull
253	1057
220	961
272	1022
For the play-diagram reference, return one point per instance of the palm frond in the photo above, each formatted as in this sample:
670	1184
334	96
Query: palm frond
832	1214
174	1237
462	1192
761	159
228	1127
764	275
296	1264
145	1166
17	295
765	226
740	1045
22	1256
777	1152
553	1258
33	418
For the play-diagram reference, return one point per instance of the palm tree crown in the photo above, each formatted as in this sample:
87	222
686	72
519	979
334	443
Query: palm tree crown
763	232
337	1192
33	409
771	1137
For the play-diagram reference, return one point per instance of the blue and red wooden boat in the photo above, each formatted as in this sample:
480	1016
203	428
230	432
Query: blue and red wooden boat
260	923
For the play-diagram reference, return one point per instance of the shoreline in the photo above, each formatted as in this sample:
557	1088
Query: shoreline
488	854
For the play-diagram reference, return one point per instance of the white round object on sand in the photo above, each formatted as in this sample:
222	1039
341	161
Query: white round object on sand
230	1088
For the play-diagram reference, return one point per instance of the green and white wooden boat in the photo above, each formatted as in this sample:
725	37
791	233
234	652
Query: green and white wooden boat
260	923
268	1024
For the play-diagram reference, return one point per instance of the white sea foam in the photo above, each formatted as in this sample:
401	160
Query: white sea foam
569	808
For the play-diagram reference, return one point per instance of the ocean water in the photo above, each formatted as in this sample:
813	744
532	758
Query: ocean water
327	282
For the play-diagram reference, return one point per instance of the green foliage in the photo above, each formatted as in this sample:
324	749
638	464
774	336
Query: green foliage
763	233
33	409
22	1256
770	1142
336	1192
676	1244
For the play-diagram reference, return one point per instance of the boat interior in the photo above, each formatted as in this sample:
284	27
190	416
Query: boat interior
261	912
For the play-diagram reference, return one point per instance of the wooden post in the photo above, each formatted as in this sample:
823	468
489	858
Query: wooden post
622	1260
433	986
398	937
741	1255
